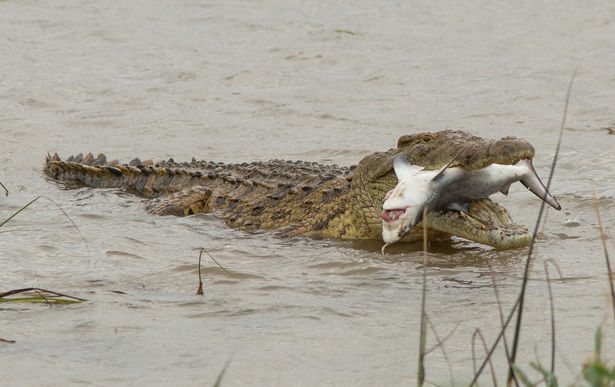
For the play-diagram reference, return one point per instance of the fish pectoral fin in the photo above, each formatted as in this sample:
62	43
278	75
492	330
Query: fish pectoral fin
532	182
403	169
461	207
505	189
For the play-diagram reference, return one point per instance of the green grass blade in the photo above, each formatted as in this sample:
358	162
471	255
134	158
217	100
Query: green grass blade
522	377
548	377
218	382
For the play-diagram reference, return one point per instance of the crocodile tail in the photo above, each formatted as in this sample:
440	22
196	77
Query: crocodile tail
95	172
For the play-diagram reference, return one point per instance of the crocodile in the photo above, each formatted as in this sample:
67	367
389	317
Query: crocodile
307	198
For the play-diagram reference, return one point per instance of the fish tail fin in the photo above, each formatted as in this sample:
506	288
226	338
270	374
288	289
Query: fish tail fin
532	182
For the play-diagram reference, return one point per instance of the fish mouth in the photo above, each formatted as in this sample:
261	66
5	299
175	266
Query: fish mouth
395	224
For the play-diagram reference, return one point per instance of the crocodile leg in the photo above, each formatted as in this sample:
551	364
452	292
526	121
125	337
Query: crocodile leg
189	201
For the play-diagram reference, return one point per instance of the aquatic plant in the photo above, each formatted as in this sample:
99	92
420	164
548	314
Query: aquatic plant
36	294
595	371
199	291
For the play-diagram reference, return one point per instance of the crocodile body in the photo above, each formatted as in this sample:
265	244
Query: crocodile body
307	198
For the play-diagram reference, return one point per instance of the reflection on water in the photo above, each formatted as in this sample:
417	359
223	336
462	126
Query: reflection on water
250	81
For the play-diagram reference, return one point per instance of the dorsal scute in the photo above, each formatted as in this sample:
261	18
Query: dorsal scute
435	150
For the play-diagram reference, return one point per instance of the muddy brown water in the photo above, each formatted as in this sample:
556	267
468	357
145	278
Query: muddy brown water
243	81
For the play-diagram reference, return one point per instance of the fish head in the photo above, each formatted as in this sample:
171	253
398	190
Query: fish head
403	205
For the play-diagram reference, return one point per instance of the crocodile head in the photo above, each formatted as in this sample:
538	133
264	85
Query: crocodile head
481	220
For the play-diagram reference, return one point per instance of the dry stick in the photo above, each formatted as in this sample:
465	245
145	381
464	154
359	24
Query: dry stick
42	295
552	309
443	341
495	344
501	312
478	332
606	252
72	222
441	345
423	328
214	259
6	191
544	221
199	291
63	212
4	340
18	211
526	273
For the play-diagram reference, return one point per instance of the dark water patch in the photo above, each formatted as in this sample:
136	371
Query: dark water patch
47	248
134	240
334	265
360	272
274	288
123	254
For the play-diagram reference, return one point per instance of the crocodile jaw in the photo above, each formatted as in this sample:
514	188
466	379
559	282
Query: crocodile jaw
485	222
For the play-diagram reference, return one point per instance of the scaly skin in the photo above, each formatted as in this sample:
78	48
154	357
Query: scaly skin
303	198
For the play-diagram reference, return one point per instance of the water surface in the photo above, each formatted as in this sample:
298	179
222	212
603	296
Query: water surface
245	81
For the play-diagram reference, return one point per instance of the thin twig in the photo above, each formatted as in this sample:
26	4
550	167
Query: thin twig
551	304
199	290
441	345
606	251
37	290
444	340
5	340
6	191
501	312
423	327
478	333
495	344
72	222
63	212
213	259
545	218
526	273
18	211
42	295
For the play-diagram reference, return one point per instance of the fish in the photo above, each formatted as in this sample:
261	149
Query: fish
419	190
